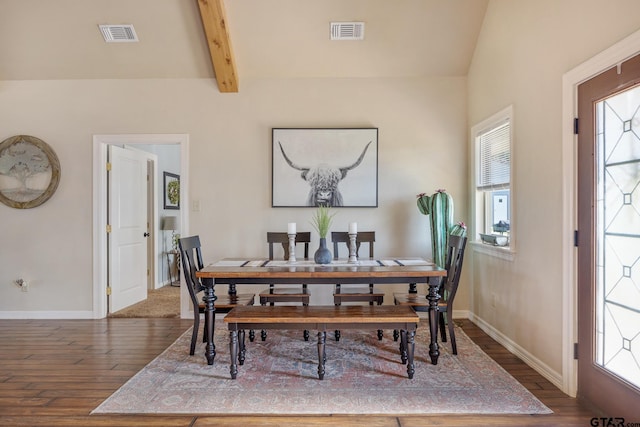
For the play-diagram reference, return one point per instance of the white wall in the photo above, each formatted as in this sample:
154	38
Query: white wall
422	147
524	49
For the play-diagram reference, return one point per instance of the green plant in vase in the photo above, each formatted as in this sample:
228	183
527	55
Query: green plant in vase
321	221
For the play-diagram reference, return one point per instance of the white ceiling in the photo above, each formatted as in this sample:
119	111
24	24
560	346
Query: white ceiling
60	39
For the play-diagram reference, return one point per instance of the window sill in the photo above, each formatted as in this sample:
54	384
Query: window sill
503	252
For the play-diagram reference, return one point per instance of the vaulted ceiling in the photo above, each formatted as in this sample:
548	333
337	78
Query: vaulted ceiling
232	40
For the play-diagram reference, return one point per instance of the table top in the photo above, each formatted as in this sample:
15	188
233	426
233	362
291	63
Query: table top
243	268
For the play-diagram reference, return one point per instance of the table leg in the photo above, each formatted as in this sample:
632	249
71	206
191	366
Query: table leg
433	297
233	353
210	316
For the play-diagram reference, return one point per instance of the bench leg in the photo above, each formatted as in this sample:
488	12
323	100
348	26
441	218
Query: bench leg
410	348
322	355
243	349
403	346
233	351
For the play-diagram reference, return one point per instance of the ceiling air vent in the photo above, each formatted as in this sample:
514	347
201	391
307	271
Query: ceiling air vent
347	30
118	33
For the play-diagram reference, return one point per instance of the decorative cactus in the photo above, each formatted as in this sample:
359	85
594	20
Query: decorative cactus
439	207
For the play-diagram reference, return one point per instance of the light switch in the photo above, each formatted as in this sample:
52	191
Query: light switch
195	206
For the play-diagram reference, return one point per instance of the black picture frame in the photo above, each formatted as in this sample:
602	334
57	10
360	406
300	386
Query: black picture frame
335	167
171	190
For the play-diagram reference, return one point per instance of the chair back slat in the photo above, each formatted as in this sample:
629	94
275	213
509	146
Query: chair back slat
191	256
368	237
274	237
455	256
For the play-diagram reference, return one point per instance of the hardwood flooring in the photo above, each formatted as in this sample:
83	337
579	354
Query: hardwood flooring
55	372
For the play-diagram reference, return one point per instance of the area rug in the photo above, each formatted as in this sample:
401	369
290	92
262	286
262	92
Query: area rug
363	376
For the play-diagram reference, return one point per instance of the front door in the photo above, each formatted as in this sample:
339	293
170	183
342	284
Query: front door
127	195
609	241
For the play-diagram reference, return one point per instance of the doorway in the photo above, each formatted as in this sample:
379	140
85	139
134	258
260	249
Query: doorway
605	60
100	266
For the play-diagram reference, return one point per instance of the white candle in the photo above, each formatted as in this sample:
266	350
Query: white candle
353	228
291	229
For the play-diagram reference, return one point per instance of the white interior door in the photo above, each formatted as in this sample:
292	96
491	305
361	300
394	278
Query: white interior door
127	193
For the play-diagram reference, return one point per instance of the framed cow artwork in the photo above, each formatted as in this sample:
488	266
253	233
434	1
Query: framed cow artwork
324	167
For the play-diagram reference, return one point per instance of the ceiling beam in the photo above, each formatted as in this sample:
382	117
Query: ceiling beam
214	21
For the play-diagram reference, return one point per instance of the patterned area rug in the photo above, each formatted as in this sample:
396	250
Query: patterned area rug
363	376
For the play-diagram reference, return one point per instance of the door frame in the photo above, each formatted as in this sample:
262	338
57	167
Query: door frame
616	54
100	143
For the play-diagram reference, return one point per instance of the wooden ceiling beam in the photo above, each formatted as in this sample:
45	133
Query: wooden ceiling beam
214	21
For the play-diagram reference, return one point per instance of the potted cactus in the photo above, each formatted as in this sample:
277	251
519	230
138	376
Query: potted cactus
439	207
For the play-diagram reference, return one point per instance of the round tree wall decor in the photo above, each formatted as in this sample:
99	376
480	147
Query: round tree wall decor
29	171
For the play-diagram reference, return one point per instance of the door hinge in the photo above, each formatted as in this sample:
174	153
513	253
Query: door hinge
108	290
575	238
108	166
148	272
575	126
575	351
108	228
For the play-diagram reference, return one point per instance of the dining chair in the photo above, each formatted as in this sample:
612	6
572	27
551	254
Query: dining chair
360	294
191	256
448	289
280	293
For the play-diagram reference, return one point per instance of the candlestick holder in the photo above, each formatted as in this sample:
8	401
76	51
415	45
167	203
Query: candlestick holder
292	247
352	248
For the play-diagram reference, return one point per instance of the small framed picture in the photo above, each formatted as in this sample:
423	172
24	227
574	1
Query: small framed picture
171	190
324	167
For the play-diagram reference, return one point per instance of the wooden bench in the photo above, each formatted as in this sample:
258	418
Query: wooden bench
322	318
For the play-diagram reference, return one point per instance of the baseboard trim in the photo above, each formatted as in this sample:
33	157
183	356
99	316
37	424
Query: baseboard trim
46	315
535	363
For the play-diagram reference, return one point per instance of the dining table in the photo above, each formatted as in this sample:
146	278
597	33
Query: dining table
244	271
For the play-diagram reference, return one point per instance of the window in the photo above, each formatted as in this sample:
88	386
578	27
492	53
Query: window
493	189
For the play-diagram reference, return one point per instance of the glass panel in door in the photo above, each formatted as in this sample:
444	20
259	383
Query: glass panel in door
617	303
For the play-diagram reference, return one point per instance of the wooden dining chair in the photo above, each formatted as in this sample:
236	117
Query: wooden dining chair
360	294
191	256
447	290
280	293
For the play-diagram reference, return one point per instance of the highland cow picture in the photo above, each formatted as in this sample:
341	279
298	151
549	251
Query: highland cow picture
324	167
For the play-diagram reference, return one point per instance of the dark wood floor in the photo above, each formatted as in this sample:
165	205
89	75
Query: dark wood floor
54	373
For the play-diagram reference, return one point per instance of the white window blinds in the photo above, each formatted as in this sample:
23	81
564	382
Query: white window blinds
495	158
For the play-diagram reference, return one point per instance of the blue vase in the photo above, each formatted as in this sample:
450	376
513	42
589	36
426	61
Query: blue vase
323	254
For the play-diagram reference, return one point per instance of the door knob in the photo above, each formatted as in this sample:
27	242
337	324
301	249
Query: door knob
146	234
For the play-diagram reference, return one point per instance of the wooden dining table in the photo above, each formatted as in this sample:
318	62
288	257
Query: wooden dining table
239	271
